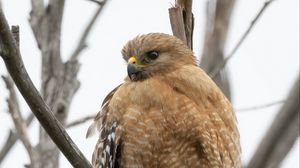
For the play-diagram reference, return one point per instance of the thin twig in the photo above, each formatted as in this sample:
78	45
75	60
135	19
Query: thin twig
13	134
80	121
242	39
260	106
12	139
12	100
20	125
82	42
98	2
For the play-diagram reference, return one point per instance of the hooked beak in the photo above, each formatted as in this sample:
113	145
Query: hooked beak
133	69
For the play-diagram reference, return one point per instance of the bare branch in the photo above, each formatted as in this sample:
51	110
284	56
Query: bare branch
12	139
43	113
82	42
20	125
218	68
59	79
218	17
80	121
177	23
12	101
36	18
260	106
182	21
14	107
282	134
98	2
58	87
7	145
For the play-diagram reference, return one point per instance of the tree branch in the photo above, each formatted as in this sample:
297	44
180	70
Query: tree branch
220	66
14	110
12	139
282	134
80	121
59	79
82	42
182	21
260	106
98	2
218	16
13	136
36	18
15	67
20	125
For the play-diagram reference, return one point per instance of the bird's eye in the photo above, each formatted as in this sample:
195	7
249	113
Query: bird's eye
152	54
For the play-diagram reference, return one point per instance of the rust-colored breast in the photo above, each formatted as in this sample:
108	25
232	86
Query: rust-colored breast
161	127
164	124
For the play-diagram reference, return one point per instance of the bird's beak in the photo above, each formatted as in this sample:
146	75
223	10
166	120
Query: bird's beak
133	68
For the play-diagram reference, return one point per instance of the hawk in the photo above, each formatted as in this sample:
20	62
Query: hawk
167	113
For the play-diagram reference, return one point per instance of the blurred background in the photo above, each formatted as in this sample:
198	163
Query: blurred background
262	71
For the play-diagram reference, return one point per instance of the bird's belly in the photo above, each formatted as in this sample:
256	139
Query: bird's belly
150	140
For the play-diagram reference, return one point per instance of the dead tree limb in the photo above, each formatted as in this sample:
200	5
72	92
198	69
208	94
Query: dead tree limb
14	64
182	21
13	136
40	27
262	106
82	42
20	124
98	2
15	112
45	21
282	134
12	139
221	65
80	121
218	17
59	79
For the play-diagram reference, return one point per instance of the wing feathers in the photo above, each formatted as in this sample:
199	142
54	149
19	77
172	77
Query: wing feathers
105	153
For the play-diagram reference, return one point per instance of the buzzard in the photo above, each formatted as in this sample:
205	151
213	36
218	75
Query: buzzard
167	113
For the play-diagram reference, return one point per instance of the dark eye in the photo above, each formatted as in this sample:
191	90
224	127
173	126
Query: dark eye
152	54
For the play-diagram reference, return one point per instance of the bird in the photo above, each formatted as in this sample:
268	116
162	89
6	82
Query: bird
167	113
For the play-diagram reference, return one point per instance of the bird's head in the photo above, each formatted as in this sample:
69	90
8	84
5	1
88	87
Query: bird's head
155	54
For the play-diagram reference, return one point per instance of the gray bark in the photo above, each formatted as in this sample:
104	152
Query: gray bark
10	53
282	134
217	26
59	79
182	21
46	25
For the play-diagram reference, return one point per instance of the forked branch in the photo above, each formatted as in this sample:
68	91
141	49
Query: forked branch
82	42
16	69
20	124
218	68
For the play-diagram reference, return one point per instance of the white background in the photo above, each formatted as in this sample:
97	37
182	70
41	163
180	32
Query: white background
262	71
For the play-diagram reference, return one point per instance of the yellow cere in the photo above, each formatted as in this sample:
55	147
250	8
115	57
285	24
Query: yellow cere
132	60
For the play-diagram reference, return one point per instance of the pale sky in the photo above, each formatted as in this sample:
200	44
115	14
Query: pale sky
262	71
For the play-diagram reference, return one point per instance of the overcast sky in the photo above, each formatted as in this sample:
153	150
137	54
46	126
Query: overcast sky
262	71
